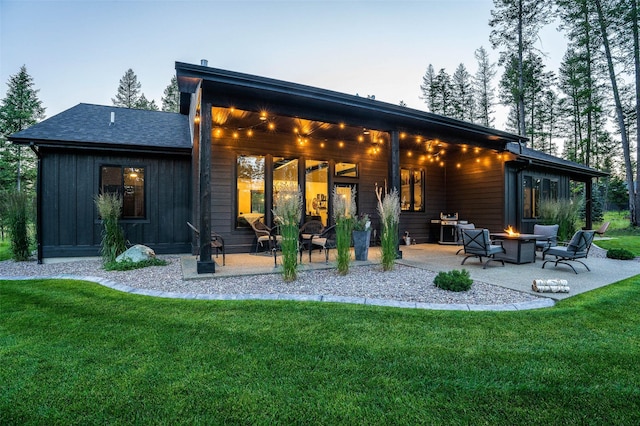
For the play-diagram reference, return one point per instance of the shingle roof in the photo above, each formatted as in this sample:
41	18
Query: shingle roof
90	125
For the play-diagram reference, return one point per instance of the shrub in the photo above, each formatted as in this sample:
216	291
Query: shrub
113	243
127	264
620	253
389	211
453	280
287	211
18	213
561	212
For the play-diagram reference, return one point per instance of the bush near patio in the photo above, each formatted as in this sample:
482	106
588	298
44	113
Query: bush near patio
74	352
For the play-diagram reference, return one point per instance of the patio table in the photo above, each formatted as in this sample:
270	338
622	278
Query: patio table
519	248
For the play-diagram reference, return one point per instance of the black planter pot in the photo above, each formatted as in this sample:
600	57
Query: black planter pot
361	240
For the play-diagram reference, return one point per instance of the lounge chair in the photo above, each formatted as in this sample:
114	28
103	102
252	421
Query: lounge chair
551	234
603	228
578	248
478	244
459	229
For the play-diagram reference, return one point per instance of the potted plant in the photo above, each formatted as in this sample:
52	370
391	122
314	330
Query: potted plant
362	236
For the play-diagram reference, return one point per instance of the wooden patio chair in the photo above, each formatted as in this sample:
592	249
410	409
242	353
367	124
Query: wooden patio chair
217	242
603	228
578	248
478	244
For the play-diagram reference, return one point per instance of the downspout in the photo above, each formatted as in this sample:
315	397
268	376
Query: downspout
36	151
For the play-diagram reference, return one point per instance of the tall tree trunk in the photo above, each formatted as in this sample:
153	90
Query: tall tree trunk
636	63
523	126
620	115
587	147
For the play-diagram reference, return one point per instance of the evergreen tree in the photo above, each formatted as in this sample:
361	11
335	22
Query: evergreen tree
462	100
20	109
428	88
128	95
483	90
526	17
171	98
144	103
442	91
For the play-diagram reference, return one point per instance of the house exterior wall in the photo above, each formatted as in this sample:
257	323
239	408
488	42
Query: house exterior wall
70	223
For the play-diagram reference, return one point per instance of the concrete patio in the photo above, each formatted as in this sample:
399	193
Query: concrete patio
435	257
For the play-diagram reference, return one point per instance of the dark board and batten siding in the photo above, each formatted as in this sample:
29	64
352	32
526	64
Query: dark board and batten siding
70	223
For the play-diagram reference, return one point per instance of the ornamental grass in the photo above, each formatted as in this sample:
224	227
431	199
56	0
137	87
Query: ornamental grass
287	210
113	243
389	211
344	211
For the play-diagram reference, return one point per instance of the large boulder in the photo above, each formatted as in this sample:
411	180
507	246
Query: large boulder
137	253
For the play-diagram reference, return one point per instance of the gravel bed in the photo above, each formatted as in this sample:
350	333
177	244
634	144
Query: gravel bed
402	284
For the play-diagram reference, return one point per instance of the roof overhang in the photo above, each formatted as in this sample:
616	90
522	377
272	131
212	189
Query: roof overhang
232	89
97	146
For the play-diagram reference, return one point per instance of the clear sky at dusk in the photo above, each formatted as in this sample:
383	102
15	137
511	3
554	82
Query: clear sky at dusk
77	51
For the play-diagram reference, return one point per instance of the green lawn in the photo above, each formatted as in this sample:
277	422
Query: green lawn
76	353
5	250
622	236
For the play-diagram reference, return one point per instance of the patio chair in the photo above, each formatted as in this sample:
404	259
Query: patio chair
307	231
217	242
551	234
478	244
326	240
603	228
459	228
265	235
578	248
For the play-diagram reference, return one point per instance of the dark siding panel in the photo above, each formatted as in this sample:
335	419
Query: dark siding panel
70	222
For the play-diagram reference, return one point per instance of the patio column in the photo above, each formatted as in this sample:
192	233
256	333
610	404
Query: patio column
588	203
205	264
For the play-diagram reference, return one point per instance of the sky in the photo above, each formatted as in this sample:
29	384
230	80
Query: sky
77	51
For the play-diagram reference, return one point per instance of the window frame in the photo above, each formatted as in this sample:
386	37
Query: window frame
411	183
121	189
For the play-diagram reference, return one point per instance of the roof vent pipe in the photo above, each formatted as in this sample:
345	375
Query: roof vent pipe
204	62
113	118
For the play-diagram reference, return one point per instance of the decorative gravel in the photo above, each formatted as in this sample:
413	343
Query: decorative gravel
402	284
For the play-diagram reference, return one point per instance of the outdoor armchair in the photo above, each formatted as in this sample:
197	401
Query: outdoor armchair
217	242
478	244
551	234
459	229
307	231
578	248
265	235
326	240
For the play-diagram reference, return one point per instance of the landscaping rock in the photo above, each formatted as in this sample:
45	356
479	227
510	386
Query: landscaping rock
137	253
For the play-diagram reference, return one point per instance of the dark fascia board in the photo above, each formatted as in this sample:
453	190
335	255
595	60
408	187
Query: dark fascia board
59	144
575	170
235	85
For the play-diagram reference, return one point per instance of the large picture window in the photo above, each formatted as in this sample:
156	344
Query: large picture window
535	190
128	182
412	190
250	186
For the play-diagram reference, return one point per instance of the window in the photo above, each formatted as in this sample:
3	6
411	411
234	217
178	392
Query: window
250	186
317	190
128	182
346	170
412	190
536	189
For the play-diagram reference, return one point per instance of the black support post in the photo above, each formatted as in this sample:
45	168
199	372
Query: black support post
394	172
205	263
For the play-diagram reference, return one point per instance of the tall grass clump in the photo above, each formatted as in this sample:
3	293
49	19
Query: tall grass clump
18	212
561	212
287	211
389	211
343	216
113	243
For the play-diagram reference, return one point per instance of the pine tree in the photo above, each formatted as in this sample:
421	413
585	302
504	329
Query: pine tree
526	17
428	88
144	103
483	89
20	109
171	98
128	94
462	100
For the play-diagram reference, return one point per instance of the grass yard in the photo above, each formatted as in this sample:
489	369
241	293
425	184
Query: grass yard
73	352
5	250
622	235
